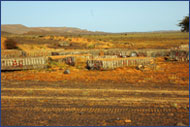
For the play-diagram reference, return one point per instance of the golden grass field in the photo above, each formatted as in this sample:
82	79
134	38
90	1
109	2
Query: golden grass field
131	41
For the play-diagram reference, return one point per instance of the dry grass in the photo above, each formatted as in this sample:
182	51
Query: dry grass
144	40
131	41
90	43
33	47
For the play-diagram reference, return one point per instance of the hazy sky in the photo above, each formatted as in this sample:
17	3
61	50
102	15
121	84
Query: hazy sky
104	16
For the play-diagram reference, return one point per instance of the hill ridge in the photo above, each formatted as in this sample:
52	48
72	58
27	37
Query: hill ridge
22	29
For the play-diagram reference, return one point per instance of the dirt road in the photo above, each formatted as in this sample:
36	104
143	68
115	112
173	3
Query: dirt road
32	103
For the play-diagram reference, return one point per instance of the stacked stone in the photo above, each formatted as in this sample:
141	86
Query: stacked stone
69	59
70	52
19	53
157	52
38	53
12	53
107	63
179	55
184	47
105	56
139	52
23	63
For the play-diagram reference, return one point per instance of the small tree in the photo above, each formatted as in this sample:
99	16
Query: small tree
184	24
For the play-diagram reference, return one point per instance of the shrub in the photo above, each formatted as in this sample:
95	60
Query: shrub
10	44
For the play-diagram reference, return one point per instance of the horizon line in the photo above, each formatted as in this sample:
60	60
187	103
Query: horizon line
92	30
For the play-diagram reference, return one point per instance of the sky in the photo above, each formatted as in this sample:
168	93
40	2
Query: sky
107	16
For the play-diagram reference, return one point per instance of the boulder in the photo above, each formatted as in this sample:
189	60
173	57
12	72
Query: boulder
140	67
133	54
67	72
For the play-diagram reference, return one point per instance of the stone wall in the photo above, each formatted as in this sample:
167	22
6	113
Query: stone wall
39	53
106	63
12	53
179	55
20	54
23	63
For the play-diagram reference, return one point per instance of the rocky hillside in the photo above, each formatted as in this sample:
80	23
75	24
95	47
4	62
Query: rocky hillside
21	29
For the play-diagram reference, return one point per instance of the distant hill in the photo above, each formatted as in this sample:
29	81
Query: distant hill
21	29
5	33
15	29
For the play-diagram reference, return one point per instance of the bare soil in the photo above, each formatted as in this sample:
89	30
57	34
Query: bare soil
38	103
